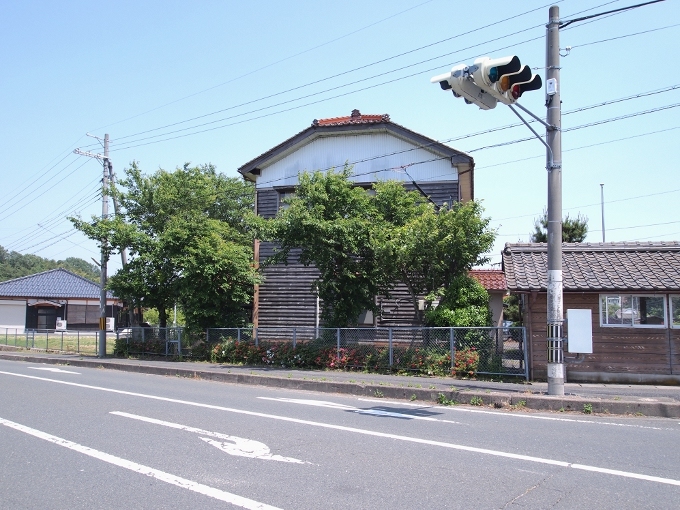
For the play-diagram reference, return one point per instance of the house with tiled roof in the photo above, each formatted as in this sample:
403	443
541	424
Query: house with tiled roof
378	149
493	280
633	292
38	301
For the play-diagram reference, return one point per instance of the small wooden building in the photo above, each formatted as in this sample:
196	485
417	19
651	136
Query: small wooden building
378	149
37	301
633	291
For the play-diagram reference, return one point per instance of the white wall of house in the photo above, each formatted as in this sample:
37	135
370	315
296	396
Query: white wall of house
333	151
12	315
496	307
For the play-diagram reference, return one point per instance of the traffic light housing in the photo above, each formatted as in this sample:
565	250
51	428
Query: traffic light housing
505	78
460	82
490	80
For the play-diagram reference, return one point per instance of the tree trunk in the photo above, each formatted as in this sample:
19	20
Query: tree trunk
162	317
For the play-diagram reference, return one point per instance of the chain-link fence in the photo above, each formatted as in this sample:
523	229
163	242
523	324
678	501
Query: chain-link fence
76	341
150	342
433	351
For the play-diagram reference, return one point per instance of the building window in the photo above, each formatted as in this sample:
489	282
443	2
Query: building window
284	197
675	311
632	311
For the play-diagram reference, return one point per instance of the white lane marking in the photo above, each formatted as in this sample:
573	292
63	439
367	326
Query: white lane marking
232	445
343	407
519	415
144	470
52	369
453	446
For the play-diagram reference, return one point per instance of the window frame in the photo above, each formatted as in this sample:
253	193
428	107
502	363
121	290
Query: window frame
671	309
632	296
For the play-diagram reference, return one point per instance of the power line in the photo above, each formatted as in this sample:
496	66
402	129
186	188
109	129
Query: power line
564	24
33	198
272	64
358	68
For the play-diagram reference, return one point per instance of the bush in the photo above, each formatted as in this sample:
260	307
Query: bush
466	362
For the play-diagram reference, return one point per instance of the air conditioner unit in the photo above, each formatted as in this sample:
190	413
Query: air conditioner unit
110	324
61	325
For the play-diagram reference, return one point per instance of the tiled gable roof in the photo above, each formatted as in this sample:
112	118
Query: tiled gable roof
340	125
491	279
56	283
355	118
631	266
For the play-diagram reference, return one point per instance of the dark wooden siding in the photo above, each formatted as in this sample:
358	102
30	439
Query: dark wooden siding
439	192
267	202
285	298
616	350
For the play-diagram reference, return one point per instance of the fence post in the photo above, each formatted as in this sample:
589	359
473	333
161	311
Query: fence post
207	336
238	334
78	342
33	340
452	346
525	349
62	340
389	346
257	341
294	336
47	340
16	332
337	334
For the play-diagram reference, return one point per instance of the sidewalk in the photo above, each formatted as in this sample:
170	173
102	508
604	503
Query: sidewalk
661	401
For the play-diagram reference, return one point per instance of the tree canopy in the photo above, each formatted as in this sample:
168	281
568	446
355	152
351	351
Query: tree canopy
15	265
364	244
188	241
574	230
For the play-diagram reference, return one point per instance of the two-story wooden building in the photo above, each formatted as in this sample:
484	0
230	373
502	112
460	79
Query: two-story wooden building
377	149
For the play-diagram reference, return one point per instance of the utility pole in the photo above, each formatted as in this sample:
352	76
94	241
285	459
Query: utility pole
104	260
602	206
101	352
555	308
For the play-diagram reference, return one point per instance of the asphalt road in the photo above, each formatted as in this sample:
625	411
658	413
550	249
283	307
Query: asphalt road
88	438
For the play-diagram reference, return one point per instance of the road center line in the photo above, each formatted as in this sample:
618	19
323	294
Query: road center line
472	449
144	470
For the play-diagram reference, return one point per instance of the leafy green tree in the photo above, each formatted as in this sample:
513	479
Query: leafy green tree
574	230
330	221
428	250
189	243
15	265
364	244
465	303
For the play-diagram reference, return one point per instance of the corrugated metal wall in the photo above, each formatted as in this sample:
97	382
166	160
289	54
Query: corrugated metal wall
366	153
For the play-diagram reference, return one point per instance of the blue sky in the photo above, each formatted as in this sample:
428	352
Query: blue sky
141	70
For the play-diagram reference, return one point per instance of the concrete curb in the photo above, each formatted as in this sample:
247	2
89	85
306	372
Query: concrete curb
445	396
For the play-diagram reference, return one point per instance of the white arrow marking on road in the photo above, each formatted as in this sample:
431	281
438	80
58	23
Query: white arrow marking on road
232	445
206	490
343	407
373	433
58	370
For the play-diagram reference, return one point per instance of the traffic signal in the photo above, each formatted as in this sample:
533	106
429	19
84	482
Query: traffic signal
489	81
460	82
505	78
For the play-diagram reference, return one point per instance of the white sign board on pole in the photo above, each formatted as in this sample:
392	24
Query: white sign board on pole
580	331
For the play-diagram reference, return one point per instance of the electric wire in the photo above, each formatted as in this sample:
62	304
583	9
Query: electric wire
358	68
21	246
262	68
56	217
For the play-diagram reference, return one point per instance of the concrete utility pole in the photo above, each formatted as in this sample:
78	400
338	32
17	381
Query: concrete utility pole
602	205
556	371
101	352
104	259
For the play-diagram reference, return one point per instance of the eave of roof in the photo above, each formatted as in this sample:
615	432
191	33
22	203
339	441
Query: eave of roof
491	279
352	123
597	267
